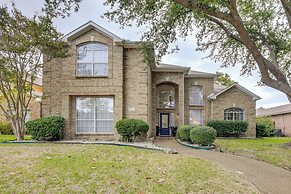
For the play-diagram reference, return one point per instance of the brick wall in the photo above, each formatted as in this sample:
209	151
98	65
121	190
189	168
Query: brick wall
236	98
283	122
207	86
61	86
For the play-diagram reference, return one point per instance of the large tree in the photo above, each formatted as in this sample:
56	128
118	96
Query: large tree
23	42
253	33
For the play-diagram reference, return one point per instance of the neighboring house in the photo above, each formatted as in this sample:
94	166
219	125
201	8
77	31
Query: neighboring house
280	115
34	108
106	79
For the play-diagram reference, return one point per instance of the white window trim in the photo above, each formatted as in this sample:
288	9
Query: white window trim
94	120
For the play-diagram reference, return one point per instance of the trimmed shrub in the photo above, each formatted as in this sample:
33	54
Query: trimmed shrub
131	128
202	135
46	129
268	126
5	128
225	128
183	132
261	130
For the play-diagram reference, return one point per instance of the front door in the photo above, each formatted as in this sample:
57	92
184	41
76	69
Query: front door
164	124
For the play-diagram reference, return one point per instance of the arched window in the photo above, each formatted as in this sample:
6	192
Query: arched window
196	95
166	96
233	114
92	60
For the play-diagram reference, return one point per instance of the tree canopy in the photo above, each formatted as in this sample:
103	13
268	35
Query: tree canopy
23	42
224	79
253	33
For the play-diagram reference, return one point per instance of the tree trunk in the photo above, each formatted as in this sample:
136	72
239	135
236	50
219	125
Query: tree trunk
18	130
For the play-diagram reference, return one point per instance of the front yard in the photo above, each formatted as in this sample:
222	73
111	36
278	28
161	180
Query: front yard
60	168
4	138
274	150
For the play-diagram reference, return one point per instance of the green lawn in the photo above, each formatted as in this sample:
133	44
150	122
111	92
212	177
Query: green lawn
64	168
266	149
4	138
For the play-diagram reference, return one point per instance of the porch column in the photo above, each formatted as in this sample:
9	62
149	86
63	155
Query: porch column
181	102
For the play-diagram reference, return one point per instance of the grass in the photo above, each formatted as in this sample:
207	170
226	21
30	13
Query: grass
269	150
4	138
63	168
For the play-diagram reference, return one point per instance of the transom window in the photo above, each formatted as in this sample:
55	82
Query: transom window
234	114
94	115
196	95
92	60
195	117
166	96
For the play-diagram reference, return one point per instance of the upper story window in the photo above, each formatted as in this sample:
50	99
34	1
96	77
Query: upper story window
234	114
196	95
166	96
92	60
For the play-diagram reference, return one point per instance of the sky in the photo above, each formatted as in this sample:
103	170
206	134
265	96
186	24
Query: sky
187	55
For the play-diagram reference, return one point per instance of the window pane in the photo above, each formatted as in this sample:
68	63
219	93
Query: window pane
101	56
84	69
233	114
195	117
104	108
94	115
85	126
196	95
85	108
89	54
100	69
104	127
166	96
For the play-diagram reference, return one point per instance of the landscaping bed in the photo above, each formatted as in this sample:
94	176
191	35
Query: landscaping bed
70	168
273	150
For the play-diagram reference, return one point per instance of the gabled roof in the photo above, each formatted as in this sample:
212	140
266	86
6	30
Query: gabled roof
87	27
163	67
193	73
214	95
277	110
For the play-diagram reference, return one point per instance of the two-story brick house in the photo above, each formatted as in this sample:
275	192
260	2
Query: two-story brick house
106	79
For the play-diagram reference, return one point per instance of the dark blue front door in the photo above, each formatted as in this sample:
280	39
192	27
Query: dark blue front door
164	124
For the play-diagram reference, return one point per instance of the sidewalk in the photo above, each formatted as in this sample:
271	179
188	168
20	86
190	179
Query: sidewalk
268	178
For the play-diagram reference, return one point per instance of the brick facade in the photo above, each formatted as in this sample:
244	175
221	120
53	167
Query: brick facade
134	86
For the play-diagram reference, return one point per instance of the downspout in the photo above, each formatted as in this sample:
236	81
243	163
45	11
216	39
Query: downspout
211	109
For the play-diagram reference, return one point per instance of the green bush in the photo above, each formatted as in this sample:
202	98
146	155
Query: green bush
261	130
5	128
131	128
46	129
202	135
183	132
268	126
225	128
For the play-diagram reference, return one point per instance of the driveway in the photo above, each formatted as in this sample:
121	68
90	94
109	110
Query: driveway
268	178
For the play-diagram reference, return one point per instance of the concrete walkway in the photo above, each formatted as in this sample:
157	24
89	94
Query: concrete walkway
268	178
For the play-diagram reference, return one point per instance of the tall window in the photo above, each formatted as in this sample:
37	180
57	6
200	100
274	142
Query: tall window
195	117
166	96
196	95
233	114
94	115
92	60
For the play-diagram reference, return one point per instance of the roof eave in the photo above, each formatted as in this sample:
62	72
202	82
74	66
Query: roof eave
254	96
85	28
